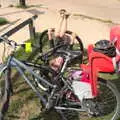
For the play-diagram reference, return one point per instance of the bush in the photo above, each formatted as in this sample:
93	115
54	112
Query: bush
3	21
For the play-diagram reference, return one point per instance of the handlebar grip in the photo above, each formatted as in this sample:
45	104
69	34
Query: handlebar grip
9	42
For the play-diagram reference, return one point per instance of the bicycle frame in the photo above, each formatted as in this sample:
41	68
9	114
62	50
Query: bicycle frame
20	67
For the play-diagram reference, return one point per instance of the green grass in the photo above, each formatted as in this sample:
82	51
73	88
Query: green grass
3	21
21	6
24	102
22	55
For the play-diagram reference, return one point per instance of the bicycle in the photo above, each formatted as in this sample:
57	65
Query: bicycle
45	45
58	92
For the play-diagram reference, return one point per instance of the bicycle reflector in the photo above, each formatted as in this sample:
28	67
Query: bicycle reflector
28	47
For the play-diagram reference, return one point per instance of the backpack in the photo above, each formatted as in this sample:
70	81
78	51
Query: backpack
105	47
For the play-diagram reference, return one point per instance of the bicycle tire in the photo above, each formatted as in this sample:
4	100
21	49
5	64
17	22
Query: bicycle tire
4	90
113	115
44	33
45	44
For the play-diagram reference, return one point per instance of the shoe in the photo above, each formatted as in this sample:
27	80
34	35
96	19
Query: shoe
62	12
67	15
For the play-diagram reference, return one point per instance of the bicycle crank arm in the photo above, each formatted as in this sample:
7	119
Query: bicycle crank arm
64	108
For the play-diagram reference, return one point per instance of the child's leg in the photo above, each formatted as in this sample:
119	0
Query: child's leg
60	22
49	34
64	25
50	38
72	40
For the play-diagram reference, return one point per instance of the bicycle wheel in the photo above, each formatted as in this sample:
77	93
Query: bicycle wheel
45	45
46	73
104	107
4	90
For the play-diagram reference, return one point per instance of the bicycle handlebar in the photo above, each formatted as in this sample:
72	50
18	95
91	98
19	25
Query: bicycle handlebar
10	42
66	53
13	43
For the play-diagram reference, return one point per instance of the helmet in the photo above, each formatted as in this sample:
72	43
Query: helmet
106	47
104	44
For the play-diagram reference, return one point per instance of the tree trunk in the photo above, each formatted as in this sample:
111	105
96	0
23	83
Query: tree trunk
22	3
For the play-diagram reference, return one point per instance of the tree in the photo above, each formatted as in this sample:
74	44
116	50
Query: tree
22	3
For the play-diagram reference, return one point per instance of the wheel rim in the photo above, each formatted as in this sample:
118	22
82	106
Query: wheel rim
106	103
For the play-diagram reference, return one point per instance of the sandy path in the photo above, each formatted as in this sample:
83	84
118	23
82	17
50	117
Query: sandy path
89	30
108	9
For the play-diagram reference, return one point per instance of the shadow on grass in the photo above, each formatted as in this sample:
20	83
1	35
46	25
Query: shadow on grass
13	117
117	83
22	90
51	115
113	77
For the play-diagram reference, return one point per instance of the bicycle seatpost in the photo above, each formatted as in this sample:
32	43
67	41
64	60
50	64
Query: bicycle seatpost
67	56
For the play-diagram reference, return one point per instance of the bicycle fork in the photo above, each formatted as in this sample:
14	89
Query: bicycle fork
49	104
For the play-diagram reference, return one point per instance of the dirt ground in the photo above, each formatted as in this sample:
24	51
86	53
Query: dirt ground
91	20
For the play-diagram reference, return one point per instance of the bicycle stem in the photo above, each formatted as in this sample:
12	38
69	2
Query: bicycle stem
65	64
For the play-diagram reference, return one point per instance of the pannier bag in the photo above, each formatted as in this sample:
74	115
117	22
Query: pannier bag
106	47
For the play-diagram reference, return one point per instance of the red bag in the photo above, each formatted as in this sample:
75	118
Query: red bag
98	62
